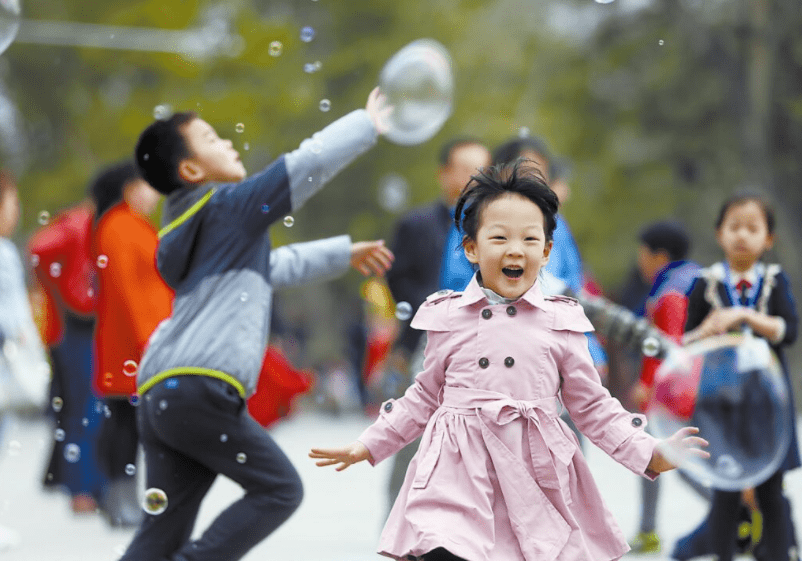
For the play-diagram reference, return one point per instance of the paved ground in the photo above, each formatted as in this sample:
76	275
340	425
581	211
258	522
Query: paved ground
340	518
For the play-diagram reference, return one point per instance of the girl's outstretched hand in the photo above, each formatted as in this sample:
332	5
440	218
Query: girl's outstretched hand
678	447
351	454
379	111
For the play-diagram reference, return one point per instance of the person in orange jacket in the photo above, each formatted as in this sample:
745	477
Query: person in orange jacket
132	300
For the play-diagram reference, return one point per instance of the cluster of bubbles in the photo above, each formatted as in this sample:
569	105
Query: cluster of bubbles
155	501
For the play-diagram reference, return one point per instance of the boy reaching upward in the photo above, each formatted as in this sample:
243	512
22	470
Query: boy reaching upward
203	361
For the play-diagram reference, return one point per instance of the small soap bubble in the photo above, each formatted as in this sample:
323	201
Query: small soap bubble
246	146
223	437
403	311
134	400
108	379
316	147
289	221
310	68
106	412
34	260
50	477
162	112
275	48
163	404
146	157
307	34
661	42
102	261
72	453
57	403
55	270
130	367
243	297
130	469
524	132
90	293
59	435
265	209
309	179
242	458
14	447
325	105
171	384
99	406
85	422
240	128
44	217
155	501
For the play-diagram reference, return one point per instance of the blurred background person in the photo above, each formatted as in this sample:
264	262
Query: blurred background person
428	257
132	300
61	255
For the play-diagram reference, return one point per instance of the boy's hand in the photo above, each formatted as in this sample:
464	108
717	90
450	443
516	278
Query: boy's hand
351	454
367	257
379	111
679	445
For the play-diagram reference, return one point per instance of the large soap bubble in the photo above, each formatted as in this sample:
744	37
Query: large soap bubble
419	83
732	387
9	22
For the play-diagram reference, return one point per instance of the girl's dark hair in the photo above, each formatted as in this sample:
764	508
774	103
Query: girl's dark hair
107	187
520	177
748	196
160	149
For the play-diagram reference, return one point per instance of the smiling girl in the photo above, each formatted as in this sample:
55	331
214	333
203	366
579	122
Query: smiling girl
498	475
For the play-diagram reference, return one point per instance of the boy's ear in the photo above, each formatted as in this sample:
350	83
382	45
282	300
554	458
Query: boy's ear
469	246
190	171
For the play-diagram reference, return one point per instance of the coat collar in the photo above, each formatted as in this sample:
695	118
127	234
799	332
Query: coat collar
473	294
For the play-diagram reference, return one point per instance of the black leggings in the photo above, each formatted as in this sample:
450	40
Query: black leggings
441	554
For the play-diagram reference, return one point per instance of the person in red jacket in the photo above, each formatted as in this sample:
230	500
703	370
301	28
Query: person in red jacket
132	300
61	256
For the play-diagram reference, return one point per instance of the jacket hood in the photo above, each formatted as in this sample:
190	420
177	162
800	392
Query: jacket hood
181	219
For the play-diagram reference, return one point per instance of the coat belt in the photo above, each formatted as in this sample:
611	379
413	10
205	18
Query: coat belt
551	451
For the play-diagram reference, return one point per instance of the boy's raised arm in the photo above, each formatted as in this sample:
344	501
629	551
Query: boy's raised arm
308	262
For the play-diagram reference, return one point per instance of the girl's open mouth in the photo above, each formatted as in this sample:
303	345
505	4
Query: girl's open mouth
512	272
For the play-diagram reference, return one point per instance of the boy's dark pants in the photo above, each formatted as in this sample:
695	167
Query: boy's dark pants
192	428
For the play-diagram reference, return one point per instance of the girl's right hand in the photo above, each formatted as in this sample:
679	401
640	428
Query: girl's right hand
351	454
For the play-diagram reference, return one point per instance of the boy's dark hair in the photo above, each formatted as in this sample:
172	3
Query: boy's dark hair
107	187
669	236
489	184
159	150
747	196
447	149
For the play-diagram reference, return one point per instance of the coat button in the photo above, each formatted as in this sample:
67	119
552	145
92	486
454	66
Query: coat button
511	311
636	422
483	362
388	407
486	313
509	361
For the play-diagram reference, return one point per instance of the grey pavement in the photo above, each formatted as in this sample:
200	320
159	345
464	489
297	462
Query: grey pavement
339	520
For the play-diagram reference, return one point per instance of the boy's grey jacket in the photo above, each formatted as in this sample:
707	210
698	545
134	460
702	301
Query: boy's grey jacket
215	253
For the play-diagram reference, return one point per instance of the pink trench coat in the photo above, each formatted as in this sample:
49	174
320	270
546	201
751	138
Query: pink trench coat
498	476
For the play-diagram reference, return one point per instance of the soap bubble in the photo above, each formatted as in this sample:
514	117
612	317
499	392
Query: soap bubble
163	404
312	67
246	146
55	270
419	84
223	437
57	403
661	42
72	453
155	501
9	22
289	221
307	34
403	311
393	192
733	389
325	105
162	112
265	208
85	422
59	435
240	127
316	147
134	400
130	469
130	367
242	458
275	48
102	261
34	260
243	297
